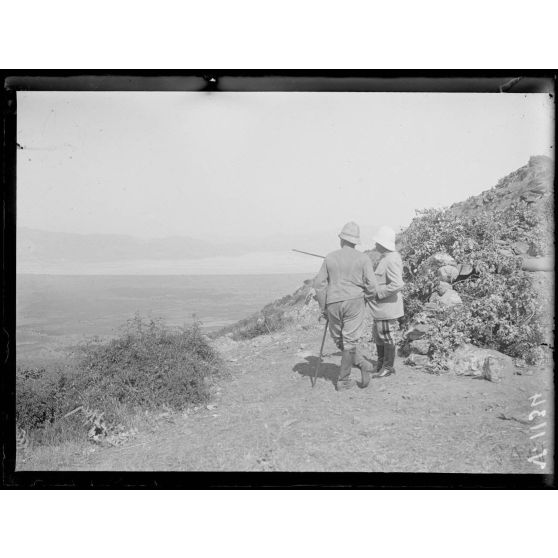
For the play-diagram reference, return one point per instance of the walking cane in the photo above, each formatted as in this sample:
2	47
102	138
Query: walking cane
320	357
326	324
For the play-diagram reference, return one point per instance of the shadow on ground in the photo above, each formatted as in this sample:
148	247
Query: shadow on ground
327	370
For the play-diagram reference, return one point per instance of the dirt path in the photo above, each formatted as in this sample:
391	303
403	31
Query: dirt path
267	418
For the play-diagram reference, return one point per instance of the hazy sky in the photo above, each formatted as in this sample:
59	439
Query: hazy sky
230	165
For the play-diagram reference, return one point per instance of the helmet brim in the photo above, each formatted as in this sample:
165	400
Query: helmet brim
385	244
349	238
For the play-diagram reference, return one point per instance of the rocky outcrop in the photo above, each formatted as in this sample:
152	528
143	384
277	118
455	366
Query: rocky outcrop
447	270
466	360
531	183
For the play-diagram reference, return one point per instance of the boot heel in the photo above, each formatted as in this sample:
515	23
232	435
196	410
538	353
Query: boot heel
389	358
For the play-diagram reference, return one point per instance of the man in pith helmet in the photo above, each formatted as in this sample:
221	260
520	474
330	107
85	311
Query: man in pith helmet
387	305
344	279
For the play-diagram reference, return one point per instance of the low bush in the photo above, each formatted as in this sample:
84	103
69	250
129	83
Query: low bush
148	366
38	397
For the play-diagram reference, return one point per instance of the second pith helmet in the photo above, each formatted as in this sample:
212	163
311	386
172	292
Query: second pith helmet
386	238
350	233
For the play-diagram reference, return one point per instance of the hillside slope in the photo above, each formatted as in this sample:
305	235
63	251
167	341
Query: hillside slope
532	183
267	417
531	186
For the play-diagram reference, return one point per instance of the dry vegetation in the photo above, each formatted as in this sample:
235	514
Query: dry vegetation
148	367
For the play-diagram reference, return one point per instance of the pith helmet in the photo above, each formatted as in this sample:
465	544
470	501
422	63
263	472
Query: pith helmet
386	238
351	233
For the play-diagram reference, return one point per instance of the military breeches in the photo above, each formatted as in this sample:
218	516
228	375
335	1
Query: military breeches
346	319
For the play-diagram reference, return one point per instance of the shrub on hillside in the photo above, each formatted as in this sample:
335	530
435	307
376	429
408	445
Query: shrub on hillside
273	317
43	398
501	308
148	366
38	396
265	323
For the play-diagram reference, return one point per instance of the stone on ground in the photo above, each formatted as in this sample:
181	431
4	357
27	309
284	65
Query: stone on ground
469	360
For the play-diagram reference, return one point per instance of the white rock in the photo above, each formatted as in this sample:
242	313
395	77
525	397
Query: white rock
450	298
443	287
465	269
448	273
469	360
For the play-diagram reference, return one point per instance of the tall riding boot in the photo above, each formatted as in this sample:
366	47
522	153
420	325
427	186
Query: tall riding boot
380	361
365	368
344	381
389	359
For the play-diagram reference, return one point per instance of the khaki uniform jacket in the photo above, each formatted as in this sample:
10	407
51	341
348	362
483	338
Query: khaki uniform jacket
344	275
388	305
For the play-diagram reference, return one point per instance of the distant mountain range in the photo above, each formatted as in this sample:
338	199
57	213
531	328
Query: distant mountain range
40	251
37	246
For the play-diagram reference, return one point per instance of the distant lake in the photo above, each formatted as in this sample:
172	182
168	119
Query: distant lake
57	311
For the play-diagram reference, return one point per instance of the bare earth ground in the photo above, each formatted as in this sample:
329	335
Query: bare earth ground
268	418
